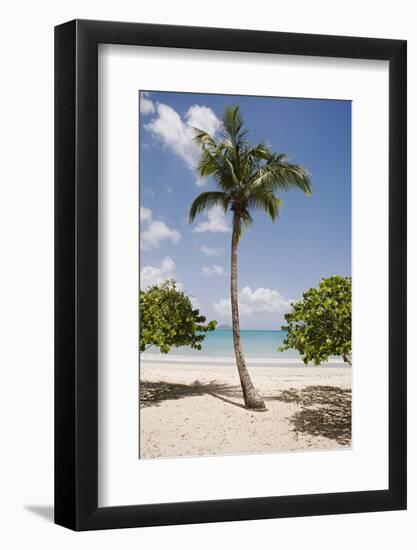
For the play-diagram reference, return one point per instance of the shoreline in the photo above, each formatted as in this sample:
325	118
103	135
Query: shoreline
290	362
198	410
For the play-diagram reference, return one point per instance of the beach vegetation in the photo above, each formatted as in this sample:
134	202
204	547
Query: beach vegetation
168	319
319	325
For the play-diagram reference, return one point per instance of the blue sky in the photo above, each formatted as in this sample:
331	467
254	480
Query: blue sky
277	261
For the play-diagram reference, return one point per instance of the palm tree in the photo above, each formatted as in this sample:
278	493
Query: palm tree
248	177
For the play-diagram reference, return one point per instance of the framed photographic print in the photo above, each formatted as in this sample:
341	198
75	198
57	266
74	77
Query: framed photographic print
230	275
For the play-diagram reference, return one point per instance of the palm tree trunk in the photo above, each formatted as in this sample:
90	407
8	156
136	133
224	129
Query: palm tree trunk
250	395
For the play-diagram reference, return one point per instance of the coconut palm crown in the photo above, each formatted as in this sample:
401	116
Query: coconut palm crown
249	177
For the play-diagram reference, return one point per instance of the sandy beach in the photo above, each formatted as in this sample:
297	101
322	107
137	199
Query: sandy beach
197	410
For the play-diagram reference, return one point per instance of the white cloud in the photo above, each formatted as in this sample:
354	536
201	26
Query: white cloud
146	105
211	250
155	231
213	270
199	116
200	182
145	214
152	275
194	302
177	135
259	301
216	222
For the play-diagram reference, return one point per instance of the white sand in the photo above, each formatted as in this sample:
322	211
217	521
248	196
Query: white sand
194	410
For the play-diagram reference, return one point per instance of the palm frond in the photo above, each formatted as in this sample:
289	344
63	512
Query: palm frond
281	175
215	163
266	201
203	139
261	151
232	172
232	126
245	220
207	200
208	164
252	158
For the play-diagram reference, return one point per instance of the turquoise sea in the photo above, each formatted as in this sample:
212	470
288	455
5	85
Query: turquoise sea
259	347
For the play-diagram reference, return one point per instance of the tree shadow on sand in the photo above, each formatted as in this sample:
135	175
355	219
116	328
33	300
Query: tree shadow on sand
154	393
325	411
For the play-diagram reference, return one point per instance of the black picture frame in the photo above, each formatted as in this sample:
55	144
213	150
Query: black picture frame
76	272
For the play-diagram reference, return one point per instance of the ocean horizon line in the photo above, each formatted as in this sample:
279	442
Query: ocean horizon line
251	329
